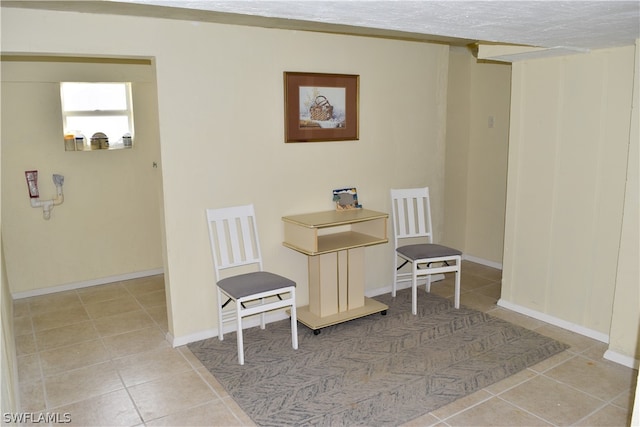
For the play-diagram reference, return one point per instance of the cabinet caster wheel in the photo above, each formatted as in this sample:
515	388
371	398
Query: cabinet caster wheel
383	312
316	332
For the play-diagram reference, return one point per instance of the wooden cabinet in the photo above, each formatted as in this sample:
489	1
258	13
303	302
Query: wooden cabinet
334	243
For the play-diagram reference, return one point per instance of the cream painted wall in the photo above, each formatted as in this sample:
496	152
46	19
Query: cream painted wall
9	394
569	140
10	401
476	161
221	131
625	321
457	154
109	223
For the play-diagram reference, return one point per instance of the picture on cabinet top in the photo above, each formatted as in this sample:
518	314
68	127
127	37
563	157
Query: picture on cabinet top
320	107
346	198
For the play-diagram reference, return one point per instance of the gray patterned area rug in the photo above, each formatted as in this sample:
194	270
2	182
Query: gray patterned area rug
373	371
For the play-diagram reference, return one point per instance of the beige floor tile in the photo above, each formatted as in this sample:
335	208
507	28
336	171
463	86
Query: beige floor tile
552	361
152	299
22	325
495	412
168	395
25	344
239	413
21	307
511	381
460	404
556	403
124	304
596	352
54	302
112	409
58	318
481	270
101	293
577	342
478	301
32	396
213	413
492	290
125	322
144	285
159	315
82	383
139	341
75	356
607	417
189	356
516	318
65	335
147	366
423	421
472	283
596	378
212	382
29	367
625	400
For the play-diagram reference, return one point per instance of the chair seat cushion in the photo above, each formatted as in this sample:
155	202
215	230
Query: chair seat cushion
427	250
253	283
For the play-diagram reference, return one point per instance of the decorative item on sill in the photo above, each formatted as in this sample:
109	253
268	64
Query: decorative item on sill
127	142
69	142
80	140
346	199
99	141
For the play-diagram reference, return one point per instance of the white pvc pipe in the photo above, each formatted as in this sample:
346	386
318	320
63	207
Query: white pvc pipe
47	205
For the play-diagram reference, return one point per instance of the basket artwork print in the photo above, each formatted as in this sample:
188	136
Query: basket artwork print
320	107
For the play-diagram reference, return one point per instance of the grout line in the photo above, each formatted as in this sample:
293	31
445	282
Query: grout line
527	411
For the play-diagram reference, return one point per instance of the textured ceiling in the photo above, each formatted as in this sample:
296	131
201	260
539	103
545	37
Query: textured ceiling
565	26
571	24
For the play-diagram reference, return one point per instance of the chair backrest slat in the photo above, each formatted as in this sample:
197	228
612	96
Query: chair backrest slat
411	213
233	235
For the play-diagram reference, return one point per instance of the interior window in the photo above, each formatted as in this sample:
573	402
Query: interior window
100	113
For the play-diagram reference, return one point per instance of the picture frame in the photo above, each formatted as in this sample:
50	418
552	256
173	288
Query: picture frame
346	199
321	107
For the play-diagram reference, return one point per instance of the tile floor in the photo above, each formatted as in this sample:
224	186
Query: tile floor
100	355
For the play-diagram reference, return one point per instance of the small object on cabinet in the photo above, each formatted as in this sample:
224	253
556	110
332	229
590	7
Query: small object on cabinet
346	198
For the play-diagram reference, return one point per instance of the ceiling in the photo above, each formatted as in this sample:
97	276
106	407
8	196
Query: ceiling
559	26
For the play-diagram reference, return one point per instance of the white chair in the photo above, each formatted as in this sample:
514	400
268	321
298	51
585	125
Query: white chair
238	266
413	237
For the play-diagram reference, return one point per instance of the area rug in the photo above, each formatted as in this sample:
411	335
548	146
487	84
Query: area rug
373	371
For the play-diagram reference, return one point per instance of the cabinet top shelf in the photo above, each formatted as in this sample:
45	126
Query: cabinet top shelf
334	218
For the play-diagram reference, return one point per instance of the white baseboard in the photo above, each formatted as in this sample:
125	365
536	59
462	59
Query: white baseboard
578	329
611	355
250	322
86	283
482	261
622	359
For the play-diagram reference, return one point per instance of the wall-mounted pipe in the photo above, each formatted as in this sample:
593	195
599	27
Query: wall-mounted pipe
47	205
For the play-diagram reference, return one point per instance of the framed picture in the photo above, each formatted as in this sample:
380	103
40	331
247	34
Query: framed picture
320	107
346	199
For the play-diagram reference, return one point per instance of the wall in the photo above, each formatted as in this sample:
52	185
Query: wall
625	321
569	141
8	357
220	97
476	162
9	395
109	223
